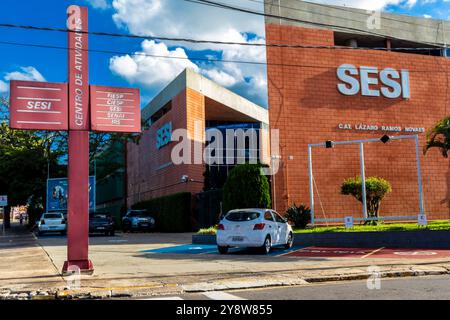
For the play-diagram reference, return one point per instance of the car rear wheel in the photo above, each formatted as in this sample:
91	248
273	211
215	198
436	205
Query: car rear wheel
290	241
222	250
265	249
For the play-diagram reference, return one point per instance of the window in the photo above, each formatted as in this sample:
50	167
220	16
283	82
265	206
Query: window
268	216
278	218
240	216
53	216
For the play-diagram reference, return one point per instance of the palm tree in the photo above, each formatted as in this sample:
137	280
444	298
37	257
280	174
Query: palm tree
439	137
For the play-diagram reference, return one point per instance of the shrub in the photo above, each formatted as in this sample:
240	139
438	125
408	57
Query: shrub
172	213
376	189
208	231
246	187
299	215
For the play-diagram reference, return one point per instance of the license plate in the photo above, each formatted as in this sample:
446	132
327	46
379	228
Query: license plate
52	227
144	224
237	239
100	228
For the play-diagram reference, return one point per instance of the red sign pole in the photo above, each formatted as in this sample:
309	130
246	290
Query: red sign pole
78	168
57	106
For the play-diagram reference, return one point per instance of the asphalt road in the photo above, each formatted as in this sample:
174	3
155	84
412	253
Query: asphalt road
413	288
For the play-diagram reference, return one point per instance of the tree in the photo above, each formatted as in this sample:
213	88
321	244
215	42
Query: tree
246	187
439	137
376	189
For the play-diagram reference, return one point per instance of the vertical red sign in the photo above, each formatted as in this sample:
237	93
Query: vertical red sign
77	23
78	167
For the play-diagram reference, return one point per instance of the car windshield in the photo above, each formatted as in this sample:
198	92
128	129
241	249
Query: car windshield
138	214
242	216
52	216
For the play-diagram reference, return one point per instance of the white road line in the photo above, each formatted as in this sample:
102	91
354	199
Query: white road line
37	99
220	295
373	252
39	88
287	253
165	298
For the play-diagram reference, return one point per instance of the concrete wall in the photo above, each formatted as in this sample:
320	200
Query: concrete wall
345	19
306	107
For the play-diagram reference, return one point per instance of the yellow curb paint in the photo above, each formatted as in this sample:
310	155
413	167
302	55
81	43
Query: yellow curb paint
373	252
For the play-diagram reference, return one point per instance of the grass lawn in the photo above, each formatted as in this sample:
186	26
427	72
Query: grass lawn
433	225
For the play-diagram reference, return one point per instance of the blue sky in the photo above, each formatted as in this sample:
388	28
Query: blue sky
173	18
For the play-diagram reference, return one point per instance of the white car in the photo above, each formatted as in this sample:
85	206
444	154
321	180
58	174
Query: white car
262	228
52	222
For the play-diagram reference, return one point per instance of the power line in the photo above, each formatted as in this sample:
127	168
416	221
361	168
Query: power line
245	10
190	58
197	41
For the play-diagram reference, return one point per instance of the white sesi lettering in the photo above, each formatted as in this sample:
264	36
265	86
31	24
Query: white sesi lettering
371	82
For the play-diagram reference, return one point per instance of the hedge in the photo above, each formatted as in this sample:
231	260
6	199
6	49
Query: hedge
172	213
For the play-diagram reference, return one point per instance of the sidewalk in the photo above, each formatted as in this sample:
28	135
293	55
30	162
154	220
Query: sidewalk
123	269
24	265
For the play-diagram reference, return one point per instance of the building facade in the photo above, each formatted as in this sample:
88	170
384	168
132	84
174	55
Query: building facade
195	105
318	93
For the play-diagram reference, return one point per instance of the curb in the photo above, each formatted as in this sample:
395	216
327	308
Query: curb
293	279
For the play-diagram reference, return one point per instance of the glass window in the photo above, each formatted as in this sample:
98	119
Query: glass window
278	218
52	216
268	216
239	216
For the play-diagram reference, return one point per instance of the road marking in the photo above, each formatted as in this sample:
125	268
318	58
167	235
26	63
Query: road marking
415	253
373	252
290	252
220	295
165	298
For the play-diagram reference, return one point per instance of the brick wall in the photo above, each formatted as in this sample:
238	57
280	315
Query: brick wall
305	105
150	170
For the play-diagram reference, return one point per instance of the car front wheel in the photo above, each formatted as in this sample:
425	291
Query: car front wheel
222	250
266	246
290	241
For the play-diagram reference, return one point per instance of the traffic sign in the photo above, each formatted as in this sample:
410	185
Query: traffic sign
115	109
3	201
38	105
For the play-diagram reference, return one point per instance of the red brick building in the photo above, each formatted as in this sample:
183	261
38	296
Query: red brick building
307	106
189	102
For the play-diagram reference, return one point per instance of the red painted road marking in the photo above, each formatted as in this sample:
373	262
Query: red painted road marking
386	253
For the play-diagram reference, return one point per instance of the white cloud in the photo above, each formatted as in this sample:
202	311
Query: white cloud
99	4
3	87
147	69
26	74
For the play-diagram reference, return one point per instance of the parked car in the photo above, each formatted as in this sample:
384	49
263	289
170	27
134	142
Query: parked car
101	222
52	222
137	220
254	228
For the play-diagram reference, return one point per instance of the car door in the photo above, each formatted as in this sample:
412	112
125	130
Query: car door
269	219
282	227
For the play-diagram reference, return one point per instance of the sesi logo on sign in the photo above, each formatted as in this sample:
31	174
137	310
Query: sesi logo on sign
388	82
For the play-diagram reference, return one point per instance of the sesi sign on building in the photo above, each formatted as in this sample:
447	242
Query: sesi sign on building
372	82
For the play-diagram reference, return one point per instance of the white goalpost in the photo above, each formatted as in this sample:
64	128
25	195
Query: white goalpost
384	139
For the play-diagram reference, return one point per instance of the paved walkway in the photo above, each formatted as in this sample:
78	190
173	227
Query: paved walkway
127	265
24	265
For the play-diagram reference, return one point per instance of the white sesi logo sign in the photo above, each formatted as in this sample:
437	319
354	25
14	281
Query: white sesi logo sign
388	82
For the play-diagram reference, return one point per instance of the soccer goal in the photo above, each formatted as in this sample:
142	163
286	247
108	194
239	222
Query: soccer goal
359	147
